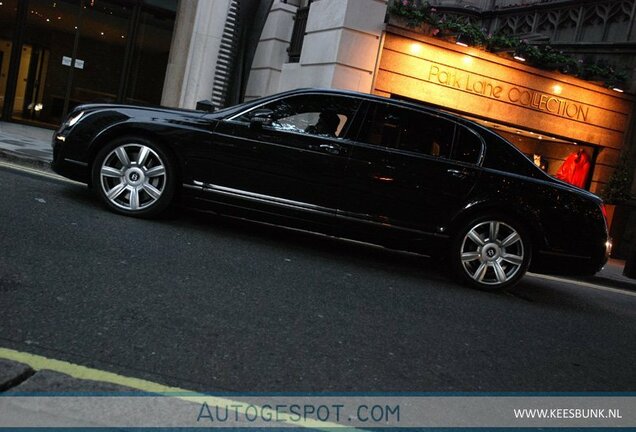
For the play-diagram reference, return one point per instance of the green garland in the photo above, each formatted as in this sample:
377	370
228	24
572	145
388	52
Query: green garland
417	12
413	11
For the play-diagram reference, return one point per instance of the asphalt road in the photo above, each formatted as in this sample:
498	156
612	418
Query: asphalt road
215	304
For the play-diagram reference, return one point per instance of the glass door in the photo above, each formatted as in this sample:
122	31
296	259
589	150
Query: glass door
57	54
150	51
43	71
8	13
99	65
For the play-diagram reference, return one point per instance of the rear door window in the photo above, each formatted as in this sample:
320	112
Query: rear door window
409	130
503	156
467	147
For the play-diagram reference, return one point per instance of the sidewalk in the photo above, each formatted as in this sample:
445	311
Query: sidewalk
612	275
21	143
32	145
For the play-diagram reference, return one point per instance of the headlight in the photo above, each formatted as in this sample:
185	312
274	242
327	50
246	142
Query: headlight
72	121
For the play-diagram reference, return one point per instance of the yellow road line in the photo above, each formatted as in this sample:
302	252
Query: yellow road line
38	362
82	372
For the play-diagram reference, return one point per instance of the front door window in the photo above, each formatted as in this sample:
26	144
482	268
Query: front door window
322	115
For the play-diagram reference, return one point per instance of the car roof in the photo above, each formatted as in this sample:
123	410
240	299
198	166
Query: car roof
422	106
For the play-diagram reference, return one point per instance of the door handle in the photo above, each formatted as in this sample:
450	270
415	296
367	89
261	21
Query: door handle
331	148
458	173
383	178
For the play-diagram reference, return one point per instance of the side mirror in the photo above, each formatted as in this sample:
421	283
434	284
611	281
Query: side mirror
261	117
205	105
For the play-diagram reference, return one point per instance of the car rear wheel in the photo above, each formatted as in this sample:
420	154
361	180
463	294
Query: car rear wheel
491	253
134	176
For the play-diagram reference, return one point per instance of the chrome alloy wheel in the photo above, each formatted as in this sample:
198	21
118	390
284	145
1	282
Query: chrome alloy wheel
133	177
492	253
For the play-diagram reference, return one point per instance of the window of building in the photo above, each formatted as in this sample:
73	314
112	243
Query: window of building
298	32
149	59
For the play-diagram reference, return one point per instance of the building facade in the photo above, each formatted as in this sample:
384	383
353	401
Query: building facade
56	54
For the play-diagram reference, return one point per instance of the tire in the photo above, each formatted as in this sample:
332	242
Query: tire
491	253
134	177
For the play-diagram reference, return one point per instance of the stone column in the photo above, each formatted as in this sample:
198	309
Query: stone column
194	51
341	46
271	53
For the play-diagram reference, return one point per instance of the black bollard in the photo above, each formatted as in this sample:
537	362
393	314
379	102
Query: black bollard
630	264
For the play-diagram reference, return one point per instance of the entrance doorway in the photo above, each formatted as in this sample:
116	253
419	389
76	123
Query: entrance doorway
552	154
64	53
31	81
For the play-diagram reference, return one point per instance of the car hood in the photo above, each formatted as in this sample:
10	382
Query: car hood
166	110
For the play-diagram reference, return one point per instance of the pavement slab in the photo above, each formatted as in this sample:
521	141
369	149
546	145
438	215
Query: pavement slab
26	144
13	373
56	382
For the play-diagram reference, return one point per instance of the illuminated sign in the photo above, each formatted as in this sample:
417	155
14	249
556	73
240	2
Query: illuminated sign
464	81
487	86
482	86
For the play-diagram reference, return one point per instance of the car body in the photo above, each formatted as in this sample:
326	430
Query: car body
395	173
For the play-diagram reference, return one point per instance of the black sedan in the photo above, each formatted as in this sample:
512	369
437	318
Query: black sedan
403	175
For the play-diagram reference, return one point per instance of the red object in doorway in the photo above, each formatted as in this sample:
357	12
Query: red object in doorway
575	169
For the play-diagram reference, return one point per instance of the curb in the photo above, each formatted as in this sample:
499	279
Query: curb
613	283
20	378
25	160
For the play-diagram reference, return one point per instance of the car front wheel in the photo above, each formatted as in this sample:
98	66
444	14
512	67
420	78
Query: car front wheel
491	253
134	177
